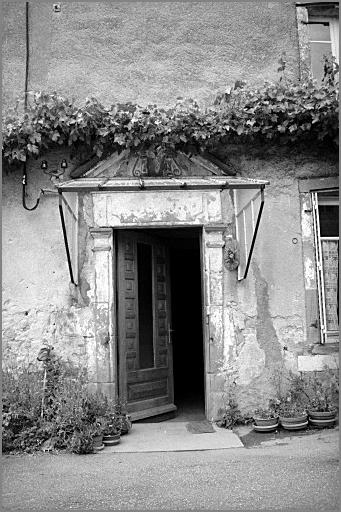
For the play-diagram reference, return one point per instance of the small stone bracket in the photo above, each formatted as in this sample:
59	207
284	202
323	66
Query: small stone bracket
102	239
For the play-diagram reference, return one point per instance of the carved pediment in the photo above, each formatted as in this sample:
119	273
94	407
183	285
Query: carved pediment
128	164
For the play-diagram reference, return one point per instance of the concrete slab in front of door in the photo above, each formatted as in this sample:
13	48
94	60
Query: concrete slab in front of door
173	437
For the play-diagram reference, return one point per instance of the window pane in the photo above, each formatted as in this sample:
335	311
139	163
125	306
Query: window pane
330	255
318	50
319	32
145	298
329	219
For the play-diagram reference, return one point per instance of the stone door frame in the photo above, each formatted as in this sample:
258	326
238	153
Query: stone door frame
104	306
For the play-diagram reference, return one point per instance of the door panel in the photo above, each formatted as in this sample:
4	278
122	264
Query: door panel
145	349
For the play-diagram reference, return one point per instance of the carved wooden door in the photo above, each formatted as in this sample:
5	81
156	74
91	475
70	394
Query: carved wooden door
144	325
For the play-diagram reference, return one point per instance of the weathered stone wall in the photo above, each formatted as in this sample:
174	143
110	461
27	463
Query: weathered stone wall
146	52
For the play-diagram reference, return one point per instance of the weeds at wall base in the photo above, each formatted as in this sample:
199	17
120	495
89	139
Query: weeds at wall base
53	413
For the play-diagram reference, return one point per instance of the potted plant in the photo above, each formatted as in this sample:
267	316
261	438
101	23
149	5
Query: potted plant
125	424
293	401
293	414
322	411
81	441
111	431
119	410
97	436
266	420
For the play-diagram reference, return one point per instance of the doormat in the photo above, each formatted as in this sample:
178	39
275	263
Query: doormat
200	427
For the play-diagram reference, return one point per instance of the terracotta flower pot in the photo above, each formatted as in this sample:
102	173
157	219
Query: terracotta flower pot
111	440
266	422
265	428
322	415
294	422
98	443
322	419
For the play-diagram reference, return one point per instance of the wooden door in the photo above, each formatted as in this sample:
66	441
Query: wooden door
144	325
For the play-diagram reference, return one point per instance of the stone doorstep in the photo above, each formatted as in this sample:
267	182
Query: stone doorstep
173	437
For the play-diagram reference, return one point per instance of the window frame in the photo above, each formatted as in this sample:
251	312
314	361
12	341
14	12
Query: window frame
310	13
326	336
333	33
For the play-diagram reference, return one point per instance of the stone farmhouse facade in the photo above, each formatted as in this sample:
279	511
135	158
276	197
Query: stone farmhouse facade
168	283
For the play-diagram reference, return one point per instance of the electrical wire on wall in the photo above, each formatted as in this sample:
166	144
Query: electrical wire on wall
24	178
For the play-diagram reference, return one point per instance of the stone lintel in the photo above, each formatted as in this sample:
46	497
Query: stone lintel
307	185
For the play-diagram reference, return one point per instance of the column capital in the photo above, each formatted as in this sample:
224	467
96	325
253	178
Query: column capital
102	239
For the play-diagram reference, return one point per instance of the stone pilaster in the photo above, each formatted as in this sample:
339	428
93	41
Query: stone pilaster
102	361
213	263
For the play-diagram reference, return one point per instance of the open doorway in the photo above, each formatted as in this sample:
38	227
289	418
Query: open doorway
186	320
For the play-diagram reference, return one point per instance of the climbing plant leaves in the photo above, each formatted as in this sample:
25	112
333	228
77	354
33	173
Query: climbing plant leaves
286	111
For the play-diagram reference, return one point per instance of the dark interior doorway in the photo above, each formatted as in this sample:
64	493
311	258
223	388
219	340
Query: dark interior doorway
186	307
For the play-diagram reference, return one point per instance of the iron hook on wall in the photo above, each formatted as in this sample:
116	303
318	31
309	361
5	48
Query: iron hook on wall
51	173
24	185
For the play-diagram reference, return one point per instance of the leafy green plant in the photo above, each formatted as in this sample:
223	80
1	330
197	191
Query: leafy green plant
271	411
7	438
70	413
32	438
112	426
295	401
291	408
21	397
125	423
81	442
230	415
323	394
282	112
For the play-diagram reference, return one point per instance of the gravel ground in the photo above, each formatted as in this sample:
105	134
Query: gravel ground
297	472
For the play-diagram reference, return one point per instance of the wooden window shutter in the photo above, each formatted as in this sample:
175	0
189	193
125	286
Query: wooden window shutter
248	206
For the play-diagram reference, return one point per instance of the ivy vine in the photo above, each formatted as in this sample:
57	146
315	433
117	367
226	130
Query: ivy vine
284	112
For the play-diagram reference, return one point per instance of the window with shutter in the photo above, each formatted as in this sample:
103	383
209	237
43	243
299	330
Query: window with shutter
326	230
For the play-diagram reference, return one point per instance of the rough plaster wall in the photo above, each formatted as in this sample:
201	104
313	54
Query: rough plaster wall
265	317
38	305
146	52
13	51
